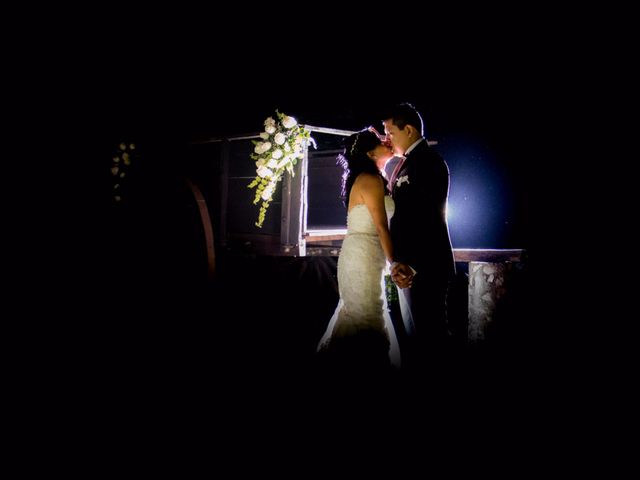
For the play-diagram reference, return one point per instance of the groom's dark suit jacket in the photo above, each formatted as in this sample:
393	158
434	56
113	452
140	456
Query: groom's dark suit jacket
419	226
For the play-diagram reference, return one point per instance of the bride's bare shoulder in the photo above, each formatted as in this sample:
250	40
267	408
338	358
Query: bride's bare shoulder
368	180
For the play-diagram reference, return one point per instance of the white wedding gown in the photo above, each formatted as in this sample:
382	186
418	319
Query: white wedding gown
362	309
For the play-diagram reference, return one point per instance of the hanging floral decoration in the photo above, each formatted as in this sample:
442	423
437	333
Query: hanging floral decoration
280	147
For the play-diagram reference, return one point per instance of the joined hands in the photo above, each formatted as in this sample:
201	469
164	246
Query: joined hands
402	274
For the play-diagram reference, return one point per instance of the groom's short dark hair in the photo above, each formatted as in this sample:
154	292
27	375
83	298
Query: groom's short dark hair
405	114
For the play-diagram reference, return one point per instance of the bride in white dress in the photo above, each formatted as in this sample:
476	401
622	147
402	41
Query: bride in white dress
360	333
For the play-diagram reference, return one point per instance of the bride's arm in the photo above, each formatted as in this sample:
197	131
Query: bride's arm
372	191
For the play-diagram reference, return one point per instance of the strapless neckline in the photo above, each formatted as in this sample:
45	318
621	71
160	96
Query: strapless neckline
356	206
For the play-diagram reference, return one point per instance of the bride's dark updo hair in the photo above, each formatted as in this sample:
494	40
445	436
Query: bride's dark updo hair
354	159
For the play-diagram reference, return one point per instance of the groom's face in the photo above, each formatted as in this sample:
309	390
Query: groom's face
399	139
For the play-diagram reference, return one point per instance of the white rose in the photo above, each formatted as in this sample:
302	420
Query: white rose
269	122
262	147
264	135
267	192
272	163
264	172
289	122
270	129
287	147
280	138
260	162
277	153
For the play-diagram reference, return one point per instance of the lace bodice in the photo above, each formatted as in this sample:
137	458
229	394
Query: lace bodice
359	218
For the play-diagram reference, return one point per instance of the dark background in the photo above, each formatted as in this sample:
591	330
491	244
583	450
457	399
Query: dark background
486	122
145	334
127	343
484	103
479	111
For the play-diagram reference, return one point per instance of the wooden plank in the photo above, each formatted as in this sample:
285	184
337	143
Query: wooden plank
224	191
311	128
208	228
487	255
315	249
460	254
323	238
290	225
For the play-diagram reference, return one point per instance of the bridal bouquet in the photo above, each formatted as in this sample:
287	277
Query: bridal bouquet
280	146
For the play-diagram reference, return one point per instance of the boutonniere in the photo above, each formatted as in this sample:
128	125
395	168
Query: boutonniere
402	179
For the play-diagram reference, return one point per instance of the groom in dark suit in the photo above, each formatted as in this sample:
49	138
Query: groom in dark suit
424	262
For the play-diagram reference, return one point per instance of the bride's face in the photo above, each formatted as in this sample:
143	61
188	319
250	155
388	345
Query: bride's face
381	154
